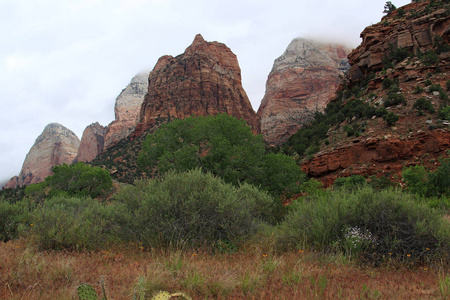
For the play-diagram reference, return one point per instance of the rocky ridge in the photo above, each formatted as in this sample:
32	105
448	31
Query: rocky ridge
302	82
204	80
381	70
54	146
127	109
92	142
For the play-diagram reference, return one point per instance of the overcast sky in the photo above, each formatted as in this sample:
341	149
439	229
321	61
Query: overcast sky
66	61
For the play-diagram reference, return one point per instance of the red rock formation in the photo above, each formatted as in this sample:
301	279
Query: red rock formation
127	109
204	80
92	142
414	34
383	149
56	145
372	155
302	81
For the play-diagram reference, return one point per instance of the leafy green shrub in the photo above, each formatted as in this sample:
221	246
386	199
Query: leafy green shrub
390	118
422	182
435	88
380	182
386	83
440	45
447	85
429	58
76	180
11	217
417	89
350	182
222	145
416	178
440	179
424	104
444	112
12	195
193	209
389	223
275	182
394	99
73	223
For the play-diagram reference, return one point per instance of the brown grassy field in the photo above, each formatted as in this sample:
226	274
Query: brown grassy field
248	274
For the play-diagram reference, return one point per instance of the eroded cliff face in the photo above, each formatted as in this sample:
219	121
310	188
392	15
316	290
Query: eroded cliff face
92	142
419	136
127	109
204	80
302	81
56	145
413	33
378	155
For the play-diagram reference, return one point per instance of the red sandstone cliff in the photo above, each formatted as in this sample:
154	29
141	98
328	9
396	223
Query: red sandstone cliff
204	80
56	145
302	81
410	32
92	142
418	137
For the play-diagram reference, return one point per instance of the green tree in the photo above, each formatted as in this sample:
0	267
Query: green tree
416	178
74	180
440	179
390	118
389	7
222	145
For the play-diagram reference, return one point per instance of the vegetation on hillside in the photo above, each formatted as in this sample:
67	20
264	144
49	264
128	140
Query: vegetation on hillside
224	146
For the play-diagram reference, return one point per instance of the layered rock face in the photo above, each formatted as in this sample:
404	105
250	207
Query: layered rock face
418	137
370	156
417	34
92	142
204	80
127	109
56	145
302	81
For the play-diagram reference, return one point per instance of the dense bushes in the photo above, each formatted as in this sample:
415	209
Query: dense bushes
194	209
375	226
73	223
224	146
78	180
420	181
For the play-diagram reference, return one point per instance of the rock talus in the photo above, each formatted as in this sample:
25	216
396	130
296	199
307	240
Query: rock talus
56	145
302	81
204	80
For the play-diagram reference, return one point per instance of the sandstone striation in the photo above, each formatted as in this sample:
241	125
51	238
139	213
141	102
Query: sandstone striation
127	109
204	80
92	142
375	155
397	50
414	34
56	145
302	82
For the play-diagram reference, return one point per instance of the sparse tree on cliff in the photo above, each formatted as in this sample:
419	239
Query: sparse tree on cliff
389	7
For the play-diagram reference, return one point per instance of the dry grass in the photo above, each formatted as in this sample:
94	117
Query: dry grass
251	274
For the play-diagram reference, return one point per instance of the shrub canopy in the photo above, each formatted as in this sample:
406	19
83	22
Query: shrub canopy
224	146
